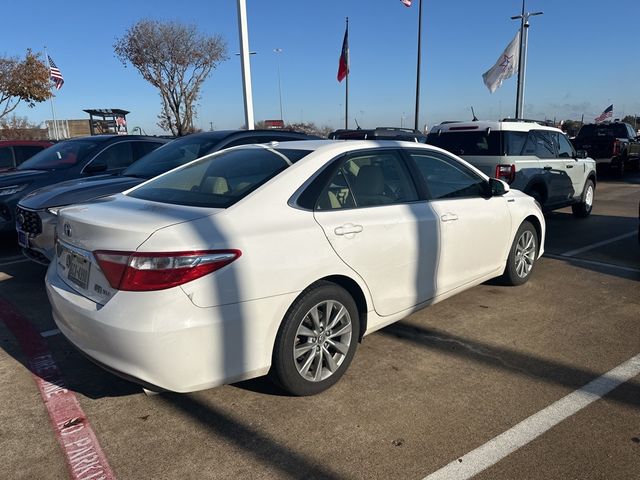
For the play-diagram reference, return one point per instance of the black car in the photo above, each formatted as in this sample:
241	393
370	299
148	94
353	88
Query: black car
380	133
613	144
37	212
76	158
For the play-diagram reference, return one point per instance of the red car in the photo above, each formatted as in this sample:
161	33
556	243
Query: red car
14	152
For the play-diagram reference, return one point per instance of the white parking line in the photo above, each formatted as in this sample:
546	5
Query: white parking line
593	262
50	333
570	253
531	428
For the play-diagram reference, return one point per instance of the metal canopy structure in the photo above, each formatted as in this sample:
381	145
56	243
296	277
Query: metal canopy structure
107	121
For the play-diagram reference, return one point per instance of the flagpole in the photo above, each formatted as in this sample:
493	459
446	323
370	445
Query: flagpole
522	60
415	124
53	113
346	84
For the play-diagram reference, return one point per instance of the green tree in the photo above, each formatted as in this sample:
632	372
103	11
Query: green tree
23	80
176	59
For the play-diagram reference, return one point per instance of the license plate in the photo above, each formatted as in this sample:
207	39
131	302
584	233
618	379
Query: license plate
77	267
23	239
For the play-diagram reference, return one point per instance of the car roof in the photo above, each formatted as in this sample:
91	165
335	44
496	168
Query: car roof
504	125
16	143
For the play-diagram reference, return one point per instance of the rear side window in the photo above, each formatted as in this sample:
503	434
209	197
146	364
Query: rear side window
368	180
221	180
544	144
476	143
603	130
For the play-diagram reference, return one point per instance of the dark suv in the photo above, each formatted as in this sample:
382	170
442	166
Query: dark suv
76	158
14	152
380	133
37	212
615	145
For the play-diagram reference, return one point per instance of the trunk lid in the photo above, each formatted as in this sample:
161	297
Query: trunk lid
117	223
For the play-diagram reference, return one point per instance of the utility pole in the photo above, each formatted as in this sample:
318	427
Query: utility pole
417	114
522	61
246	69
278	51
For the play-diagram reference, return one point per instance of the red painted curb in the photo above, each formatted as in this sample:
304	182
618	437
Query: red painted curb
85	459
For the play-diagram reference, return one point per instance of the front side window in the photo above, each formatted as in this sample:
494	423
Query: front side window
220	180
367	180
565	149
447	178
116	156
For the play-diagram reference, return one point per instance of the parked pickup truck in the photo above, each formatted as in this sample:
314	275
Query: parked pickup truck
613	144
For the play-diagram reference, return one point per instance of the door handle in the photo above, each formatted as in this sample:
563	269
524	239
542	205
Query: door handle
568	165
347	229
547	167
449	217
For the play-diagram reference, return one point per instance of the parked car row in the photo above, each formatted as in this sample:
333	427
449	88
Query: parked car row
228	255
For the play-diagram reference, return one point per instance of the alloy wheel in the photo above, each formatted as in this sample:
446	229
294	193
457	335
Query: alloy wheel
525	253
322	340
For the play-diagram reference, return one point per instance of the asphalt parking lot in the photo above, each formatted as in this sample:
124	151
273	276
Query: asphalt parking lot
483	382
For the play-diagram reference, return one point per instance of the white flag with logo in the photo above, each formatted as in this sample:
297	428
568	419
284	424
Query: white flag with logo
506	66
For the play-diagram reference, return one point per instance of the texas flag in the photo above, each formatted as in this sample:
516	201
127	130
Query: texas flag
343	65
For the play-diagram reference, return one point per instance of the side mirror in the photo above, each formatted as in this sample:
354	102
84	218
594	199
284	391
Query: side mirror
581	154
498	187
96	166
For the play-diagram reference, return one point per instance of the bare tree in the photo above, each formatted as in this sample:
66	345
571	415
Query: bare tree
22	80
175	59
13	127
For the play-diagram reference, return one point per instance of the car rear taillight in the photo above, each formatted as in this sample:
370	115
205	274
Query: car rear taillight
617	147
141	271
506	172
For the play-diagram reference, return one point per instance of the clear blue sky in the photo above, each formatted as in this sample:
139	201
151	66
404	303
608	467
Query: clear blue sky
583	56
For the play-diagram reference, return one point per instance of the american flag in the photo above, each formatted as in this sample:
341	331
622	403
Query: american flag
608	113
406	3
55	74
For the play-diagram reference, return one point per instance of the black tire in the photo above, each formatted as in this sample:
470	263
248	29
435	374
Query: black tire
619	167
513	272
288	370
584	207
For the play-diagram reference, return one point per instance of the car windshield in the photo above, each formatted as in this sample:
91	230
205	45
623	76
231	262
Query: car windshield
60	156
467	143
615	130
172	155
219	181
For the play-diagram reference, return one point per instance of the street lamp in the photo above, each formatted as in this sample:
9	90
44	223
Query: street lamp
278	51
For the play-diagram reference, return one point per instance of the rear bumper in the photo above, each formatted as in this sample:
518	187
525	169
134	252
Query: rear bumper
162	339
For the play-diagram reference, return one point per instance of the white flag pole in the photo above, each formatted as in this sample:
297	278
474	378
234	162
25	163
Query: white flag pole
53	113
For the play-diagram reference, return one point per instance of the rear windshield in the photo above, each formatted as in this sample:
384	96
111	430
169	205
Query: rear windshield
471	143
219	181
61	155
615	130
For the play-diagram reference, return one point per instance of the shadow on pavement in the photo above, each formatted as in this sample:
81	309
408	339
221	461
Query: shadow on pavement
263	448
510	360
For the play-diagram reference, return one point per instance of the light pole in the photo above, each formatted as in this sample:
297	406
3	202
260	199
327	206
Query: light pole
246	69
278	51
522	63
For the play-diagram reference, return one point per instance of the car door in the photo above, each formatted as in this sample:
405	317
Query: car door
379	226
559	186
474	228
574	167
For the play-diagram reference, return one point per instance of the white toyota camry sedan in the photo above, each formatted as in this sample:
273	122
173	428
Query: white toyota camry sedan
279	258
